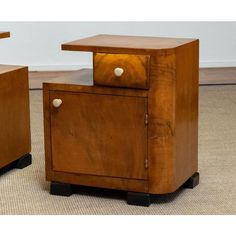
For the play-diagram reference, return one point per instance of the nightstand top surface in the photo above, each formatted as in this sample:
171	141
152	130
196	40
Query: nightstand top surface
4	35
126	43
8	68
82	81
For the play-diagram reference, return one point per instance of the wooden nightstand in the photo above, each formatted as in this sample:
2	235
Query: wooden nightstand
15	144
133	125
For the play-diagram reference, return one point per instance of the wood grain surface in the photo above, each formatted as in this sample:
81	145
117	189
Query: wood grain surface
103	135
135	75
126	44
161	136
82	81
186	112
14	110
4	34
136	185
217	76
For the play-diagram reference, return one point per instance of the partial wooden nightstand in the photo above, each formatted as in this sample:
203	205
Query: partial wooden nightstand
15	144
134	126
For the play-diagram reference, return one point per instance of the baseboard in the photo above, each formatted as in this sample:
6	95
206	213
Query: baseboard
203	64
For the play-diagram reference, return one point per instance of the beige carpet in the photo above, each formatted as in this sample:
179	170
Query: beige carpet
26	191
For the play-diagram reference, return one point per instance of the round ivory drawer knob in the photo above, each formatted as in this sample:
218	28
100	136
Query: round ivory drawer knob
56	102
118	71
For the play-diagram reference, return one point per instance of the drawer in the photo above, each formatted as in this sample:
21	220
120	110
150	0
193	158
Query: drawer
121	70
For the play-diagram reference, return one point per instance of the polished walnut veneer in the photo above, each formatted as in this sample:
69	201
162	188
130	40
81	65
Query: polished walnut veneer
15	144
134	70
133	125
4	35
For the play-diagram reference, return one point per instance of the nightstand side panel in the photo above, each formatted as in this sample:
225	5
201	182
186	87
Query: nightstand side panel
186	111
161	126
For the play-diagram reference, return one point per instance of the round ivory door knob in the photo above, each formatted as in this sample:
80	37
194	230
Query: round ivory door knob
118	71
56	102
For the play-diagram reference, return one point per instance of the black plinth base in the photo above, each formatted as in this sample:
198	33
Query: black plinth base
61	189
20	163
23	162
193	181
138	199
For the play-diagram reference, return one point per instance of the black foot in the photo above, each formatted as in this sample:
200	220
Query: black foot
193	181
61	189
24	161
139	199
6	168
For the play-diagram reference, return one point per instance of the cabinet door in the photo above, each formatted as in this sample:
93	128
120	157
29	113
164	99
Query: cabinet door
99	134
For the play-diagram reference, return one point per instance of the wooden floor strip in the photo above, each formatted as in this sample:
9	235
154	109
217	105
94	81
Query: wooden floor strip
207	76
217	76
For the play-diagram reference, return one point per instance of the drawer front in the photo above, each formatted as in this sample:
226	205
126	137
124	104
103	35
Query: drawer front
121	70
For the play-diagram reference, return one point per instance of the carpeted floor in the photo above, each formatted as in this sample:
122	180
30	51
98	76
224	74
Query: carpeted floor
26	191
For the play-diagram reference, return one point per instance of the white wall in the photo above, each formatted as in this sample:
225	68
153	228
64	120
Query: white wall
37	44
